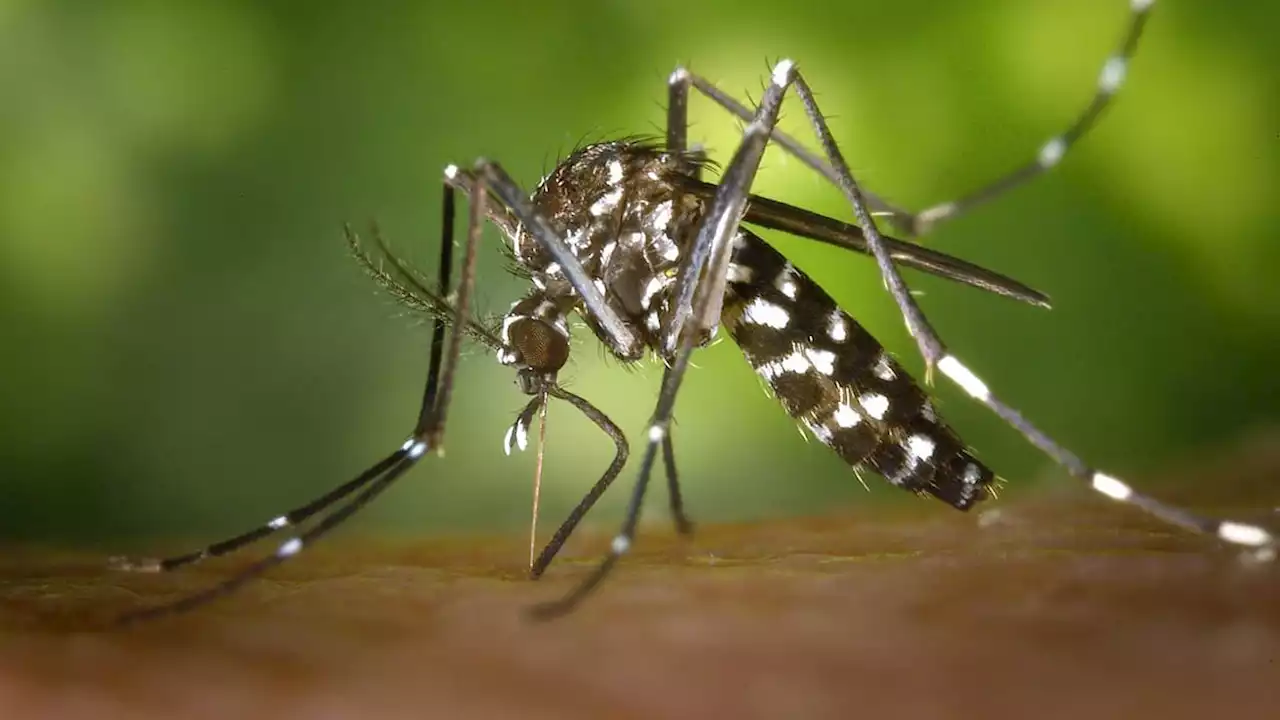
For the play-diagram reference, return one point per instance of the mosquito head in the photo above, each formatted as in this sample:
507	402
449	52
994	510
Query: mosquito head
535	341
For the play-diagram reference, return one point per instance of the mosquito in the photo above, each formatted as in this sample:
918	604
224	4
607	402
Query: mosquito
628	236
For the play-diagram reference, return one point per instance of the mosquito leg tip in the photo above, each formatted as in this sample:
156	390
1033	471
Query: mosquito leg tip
1244	534
450	171
678	76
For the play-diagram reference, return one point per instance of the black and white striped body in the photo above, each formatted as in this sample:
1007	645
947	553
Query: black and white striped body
619	208
829	373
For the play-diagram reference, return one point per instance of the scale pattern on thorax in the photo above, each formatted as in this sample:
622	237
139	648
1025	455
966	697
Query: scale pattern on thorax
617	206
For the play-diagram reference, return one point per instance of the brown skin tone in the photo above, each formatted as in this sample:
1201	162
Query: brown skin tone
1060	606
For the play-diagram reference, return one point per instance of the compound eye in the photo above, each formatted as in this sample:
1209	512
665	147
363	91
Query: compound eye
542	346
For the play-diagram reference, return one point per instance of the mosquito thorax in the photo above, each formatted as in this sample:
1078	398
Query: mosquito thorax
619	207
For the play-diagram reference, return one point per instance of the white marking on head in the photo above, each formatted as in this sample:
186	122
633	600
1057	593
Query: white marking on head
884	368
656	433
507	356
964	377
837	326
615	172
289	548
1111	487
782	72
1051	153
739	273
507	322
678	75
875	404
620	545
824	361
845	416
763	312
1112	76
920	447
1241	534
280	522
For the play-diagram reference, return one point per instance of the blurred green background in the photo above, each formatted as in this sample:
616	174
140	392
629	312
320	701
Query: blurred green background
188	349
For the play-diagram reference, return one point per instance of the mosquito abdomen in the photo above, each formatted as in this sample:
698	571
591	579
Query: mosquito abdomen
829	373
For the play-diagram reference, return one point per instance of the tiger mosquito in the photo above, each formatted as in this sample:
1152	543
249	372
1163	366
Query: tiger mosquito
628	236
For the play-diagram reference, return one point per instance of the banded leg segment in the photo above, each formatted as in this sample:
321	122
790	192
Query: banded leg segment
936	354
428	434
1110	79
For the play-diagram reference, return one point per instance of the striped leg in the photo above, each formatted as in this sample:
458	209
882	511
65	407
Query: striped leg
1110	80
428	434
937	355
